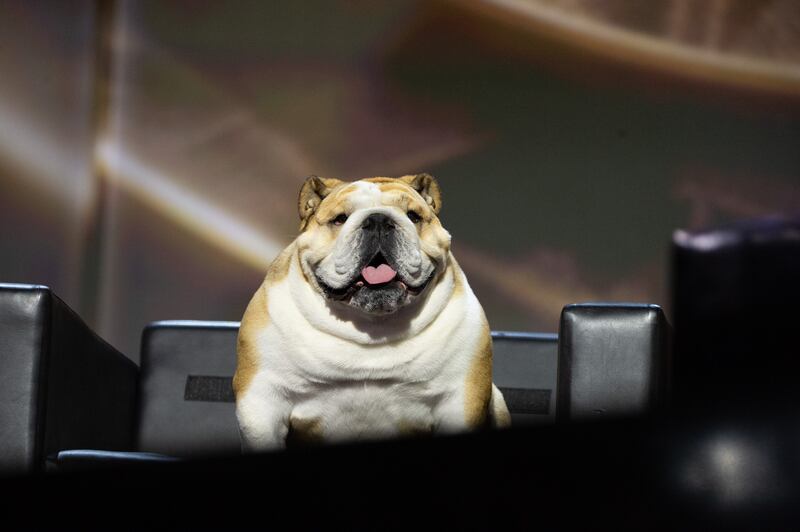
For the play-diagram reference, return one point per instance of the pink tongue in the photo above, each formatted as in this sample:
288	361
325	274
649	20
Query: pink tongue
382	274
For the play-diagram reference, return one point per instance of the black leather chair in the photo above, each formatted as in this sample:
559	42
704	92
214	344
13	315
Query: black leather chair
61	386
525	366
186	405
614	360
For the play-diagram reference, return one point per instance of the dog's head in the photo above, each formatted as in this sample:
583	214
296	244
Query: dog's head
374	245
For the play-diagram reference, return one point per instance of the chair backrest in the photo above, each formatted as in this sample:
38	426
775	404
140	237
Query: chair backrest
61	386
613	360
524	368
186	403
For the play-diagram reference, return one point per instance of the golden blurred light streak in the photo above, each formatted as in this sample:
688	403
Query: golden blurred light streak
704	64
55	171
183	206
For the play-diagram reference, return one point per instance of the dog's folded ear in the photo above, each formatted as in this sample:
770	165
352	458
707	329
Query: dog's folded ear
428	188
312	193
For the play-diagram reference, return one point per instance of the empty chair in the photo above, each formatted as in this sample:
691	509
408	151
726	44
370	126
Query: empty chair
61	386
613	360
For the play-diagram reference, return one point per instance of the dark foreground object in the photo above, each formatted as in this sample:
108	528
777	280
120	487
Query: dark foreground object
724	472
735	306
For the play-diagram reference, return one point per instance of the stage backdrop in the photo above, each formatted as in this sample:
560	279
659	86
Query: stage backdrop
151	152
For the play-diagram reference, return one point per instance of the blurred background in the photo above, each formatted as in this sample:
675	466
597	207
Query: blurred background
151	152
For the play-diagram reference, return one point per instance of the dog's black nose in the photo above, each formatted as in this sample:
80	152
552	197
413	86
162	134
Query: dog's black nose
378	222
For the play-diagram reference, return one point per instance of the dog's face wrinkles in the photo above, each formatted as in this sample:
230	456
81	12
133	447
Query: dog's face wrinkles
374	245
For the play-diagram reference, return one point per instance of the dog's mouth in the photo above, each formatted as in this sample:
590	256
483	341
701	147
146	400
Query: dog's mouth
377	274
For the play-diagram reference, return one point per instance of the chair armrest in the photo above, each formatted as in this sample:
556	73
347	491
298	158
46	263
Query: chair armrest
83	459
61	385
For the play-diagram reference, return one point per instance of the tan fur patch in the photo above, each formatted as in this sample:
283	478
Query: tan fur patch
394	185
304	431
333	204
458	284
279	268
254	320
400	194
502	417
314	190
405	199
478	391
411	429
427	187
402	198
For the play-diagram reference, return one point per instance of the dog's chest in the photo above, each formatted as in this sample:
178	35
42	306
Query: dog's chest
363	410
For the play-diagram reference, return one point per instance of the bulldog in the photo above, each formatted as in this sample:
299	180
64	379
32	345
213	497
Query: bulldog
365	326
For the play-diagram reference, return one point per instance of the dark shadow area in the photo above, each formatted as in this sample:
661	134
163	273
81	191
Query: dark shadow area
692	473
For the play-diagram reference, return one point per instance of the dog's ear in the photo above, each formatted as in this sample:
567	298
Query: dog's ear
312	193
428	188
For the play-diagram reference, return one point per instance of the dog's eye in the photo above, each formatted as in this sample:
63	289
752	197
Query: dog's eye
414	217
339	220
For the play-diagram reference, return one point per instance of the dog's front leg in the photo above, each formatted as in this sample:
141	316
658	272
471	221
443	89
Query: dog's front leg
453	414
263	417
